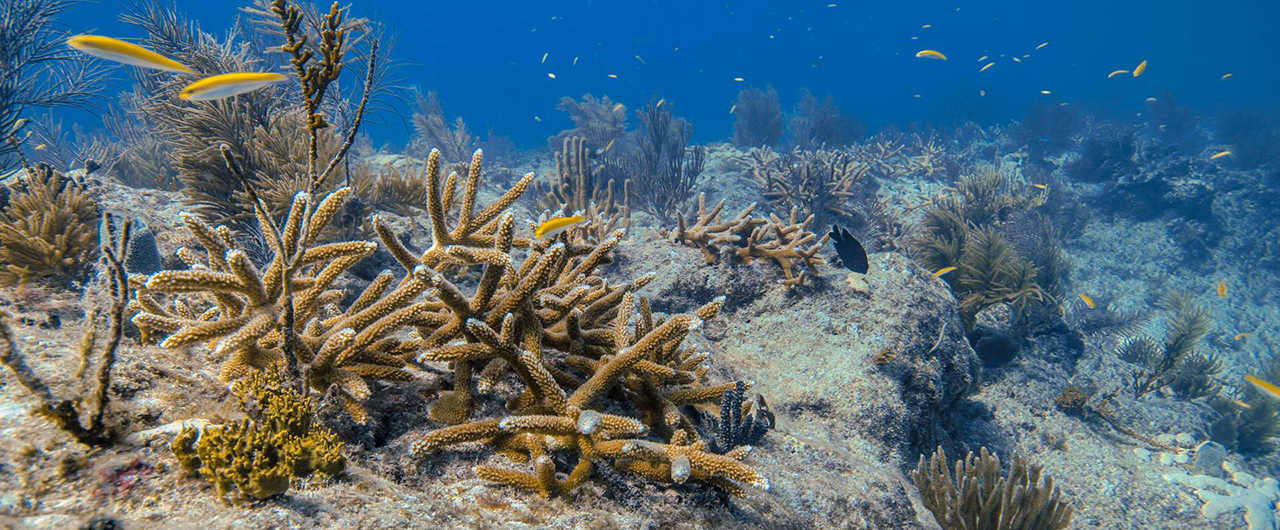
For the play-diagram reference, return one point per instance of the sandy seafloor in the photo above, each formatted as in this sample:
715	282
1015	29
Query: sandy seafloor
837	459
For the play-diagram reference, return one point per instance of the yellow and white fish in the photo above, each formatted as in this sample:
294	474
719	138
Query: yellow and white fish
1264	387
555	225
124	52
227	85
931	54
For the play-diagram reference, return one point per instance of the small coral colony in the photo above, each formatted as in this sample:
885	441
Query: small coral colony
282	211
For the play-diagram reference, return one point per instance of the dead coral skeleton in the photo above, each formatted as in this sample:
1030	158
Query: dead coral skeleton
790	243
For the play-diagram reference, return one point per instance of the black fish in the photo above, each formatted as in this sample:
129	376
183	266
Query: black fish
850	250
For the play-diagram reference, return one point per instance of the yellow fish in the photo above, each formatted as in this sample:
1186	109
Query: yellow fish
612	76
1222	289
551	75
1220	155
984	68
942	271
537	118
1045	92
738	79
544	57
1227	76
1142	67
982	93
733	108
1016	60
227	85
660	102
926	26
1088	301
124	52
609	145
1116	73
617	107
1240	336
1241	404
1268	389
555	225
575	60
1151	100
931	54
39	147
983	58
1041	186
1042	46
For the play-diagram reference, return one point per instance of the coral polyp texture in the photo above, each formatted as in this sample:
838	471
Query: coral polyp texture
643	359
790	243
48	229
223	300
979	495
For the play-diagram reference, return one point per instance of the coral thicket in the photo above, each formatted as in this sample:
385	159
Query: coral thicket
48	231
980	495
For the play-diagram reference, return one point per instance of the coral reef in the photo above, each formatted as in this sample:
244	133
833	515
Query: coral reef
815	124
433	131
67	413
38	70
597	121
831	185
259	455
1175	362
578	185
757	118
658	162
47	230
745	238
742	423
980	496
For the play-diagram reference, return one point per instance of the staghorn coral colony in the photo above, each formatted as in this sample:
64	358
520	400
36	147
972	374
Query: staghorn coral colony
257	308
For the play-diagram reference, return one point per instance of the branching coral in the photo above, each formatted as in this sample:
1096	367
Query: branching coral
978	495
47	232
790	243
260	454
828	184
757	118
67	413
815	124
555	412
742	423
597	121
578	185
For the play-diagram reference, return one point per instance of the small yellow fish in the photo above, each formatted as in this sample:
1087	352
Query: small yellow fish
609	145
1227	76
1041	186
983	58
551	75
1220	155
1151	100
982	93
1142	67
544	57
39	147
1042	46
1267	389
1045	92
984	68
1016	60
1241	404
831	6
1088	301
738	79
943	270
1241	336
931	54
1222	289
612	76
227	85
617	107
660	102
926	26
124	52
733	108
555	225
1116	73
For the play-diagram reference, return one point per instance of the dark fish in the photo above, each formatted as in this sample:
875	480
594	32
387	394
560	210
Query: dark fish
850	250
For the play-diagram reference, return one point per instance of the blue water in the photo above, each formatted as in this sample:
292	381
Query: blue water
484	59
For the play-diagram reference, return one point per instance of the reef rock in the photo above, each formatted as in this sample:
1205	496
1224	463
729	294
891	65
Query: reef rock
862	382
